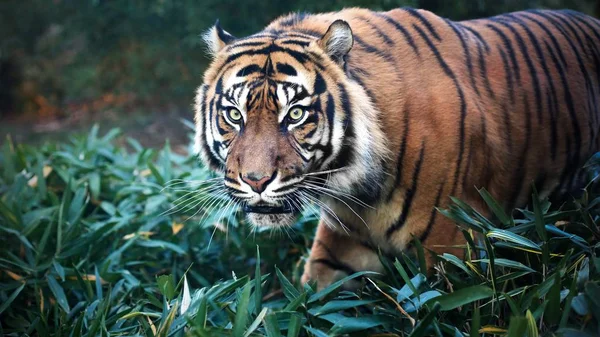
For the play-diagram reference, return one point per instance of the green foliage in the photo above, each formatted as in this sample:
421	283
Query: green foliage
90	246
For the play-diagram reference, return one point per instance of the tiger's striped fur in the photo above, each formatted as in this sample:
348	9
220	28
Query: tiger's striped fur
404	109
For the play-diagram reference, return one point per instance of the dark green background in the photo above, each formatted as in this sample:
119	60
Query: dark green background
59	55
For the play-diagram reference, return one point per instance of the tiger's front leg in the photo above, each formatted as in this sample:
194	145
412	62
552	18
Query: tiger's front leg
335	255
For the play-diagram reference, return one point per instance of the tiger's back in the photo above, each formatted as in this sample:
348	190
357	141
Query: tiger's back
499	103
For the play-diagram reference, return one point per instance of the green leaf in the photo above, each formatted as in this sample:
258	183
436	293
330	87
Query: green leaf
334	306
508	263
11	298
165	325
462	297
501	234
517	327
99	293
166	286
201	315
289	290
475	322
552	312
425	323
159	178
566	312
332	287
495	207
59	270
161	244
457	262
59	293
94	185
271	326
256	322
531	325
406	279
315	332
257	283
241	312
294	325
354	324
295	303
592	292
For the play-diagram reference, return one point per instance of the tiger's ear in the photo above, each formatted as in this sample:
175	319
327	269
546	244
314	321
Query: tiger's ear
337	41
217	38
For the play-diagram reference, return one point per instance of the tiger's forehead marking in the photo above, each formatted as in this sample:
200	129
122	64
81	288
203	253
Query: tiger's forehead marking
243	73
288	82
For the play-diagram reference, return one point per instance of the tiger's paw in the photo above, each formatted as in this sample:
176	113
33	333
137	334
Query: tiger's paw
324	276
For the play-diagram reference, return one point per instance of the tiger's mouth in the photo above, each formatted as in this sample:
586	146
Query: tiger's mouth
263	215
268	209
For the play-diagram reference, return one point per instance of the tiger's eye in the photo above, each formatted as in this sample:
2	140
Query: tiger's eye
296	114
234	114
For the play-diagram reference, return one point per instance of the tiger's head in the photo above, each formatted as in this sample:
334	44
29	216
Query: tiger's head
277	111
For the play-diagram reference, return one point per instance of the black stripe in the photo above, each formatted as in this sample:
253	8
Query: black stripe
509	50
346	153
531	67
573	114
335	266
272	48
509	75
373	50
433	215
557	47
540	55
463	104
286	69
478	36
407	36
590	90
231	180
320	85
408	198
592	104
415	13
483	72
400	159
336	261
211	159
330	115
571	159
520	172
467	55
355	74
553	106
295	42
215	144
247	70
388	41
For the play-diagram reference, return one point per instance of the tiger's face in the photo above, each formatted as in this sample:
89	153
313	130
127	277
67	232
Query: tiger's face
272	113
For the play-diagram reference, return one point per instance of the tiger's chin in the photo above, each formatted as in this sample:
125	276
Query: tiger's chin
271	220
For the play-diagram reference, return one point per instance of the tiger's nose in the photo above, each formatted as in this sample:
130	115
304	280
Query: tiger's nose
258	182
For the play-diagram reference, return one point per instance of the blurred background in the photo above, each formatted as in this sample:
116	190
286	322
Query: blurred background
134	64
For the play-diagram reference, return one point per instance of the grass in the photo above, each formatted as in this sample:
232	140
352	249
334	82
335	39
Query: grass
91	245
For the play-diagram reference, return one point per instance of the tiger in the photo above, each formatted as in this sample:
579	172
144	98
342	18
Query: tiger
379	118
